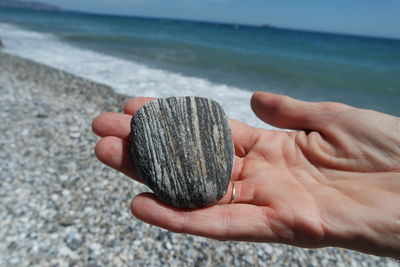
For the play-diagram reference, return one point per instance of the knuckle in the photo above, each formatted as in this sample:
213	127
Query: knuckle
283	100
280	104
332	107
185	223
226	222
129	105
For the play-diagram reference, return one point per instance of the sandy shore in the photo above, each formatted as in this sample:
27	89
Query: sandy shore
61	207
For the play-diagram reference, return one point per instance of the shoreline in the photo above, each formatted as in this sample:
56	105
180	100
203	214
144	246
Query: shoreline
41	73
61	206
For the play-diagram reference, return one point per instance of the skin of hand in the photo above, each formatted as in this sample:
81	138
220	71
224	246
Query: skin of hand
333	181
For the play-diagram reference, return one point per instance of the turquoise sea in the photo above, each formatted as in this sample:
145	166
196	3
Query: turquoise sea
169	57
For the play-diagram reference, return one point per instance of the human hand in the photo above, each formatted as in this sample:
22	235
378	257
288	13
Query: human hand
335	181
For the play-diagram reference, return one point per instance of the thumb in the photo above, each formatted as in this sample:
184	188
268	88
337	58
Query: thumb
285	112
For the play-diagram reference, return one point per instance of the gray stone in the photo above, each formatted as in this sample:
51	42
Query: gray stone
182	148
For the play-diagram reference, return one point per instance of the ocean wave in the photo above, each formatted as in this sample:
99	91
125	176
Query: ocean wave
124	76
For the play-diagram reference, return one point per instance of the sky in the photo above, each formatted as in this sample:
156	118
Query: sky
361	17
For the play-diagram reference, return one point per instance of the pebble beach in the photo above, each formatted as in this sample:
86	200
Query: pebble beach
61	207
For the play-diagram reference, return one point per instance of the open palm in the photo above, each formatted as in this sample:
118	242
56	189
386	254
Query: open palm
335	181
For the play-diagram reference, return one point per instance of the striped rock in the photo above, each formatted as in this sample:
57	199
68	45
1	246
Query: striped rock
182	148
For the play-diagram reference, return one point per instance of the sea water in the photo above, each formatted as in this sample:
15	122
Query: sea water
163	57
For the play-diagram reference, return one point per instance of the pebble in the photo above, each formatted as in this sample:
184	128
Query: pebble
182	148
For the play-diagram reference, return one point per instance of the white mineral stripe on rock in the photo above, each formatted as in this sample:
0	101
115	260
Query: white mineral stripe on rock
179	186
214	123
163	135
196	129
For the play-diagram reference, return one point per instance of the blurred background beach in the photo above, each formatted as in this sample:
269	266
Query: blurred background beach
60	68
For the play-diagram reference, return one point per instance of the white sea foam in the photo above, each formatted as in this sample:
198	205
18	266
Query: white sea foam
126	77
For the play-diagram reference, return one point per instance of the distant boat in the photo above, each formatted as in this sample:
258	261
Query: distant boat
267	26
